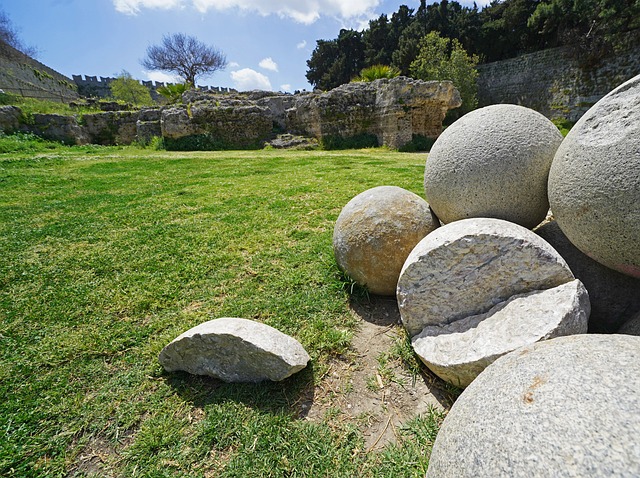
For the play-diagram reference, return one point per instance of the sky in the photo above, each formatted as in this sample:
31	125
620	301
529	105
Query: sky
266	42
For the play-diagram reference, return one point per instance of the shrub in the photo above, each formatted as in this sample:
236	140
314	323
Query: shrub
359	141
173	93
125	88
377	72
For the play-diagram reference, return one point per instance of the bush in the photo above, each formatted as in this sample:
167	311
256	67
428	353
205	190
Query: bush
24	143
377	72
173	93
359	141
418	143
563	124
125	88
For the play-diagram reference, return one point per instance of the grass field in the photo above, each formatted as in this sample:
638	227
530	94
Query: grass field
107	254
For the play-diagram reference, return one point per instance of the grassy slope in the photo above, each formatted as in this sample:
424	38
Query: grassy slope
106	254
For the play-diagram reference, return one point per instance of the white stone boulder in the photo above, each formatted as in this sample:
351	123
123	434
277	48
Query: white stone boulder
459	351
375	232
476	289
594	181
235	350
566	407
493	162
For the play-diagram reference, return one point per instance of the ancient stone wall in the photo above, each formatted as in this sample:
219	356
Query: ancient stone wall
554	83
98	86
24	76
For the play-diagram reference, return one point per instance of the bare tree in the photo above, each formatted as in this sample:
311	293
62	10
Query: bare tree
184	55
9	36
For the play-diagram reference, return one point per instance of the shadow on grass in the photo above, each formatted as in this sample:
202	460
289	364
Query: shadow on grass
292	396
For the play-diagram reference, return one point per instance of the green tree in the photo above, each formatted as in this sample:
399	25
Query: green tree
445	59
336	62
126	88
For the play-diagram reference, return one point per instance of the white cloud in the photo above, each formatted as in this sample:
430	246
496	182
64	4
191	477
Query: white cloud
302	11
301	45
268	64
132	7
248	79
285	87
234	64
163	77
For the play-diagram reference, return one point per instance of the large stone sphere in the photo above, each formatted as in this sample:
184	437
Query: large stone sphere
566	407
376	231
594	182
493	162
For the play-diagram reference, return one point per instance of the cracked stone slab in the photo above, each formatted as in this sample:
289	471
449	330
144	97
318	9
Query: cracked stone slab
467	267
235	350
459	351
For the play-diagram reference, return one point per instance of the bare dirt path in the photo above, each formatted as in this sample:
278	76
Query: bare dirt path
372	387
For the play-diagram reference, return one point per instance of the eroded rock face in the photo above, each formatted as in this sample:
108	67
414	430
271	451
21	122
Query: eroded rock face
547	410
109	128
392	110
59	128
459	351
10	118
594	182
493	162
467	267
235	350
375	232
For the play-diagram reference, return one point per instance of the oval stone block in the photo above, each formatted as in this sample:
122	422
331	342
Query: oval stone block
459	351
594	182
493	162
467	267
565	407
375	232
235	350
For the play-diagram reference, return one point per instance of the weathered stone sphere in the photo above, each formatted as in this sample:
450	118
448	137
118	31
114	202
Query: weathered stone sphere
567	407
493	162
376	231
594	182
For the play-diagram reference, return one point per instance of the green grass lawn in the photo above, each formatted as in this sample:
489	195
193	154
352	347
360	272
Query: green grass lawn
107	254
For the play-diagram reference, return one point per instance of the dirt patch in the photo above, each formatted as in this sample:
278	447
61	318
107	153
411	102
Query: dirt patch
372	387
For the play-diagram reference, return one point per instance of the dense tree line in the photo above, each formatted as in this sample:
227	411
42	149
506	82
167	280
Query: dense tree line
501	30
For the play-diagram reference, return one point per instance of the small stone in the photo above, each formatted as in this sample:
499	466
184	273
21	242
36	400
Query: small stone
375	232
459	351
235	350
467	267
566	407
493	162
594	181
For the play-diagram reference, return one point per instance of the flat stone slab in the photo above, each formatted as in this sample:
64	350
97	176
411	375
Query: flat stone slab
235	350
459	351
565	407
467	267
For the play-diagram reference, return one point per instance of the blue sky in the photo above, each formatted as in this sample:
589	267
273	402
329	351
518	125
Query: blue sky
267	42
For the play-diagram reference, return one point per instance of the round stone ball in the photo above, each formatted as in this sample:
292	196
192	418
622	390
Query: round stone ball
594	182
566	407
493	162
376	231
